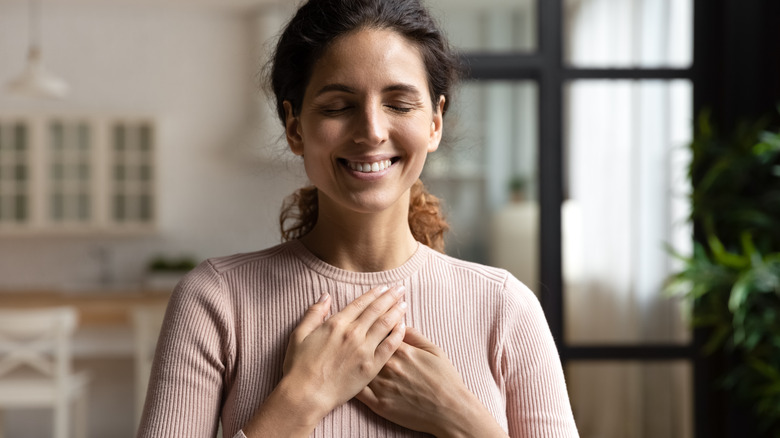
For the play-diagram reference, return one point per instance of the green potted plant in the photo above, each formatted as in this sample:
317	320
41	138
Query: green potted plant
164	272
517	187
732	279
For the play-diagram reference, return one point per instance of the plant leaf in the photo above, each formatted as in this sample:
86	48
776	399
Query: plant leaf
717	339
763	368
724	257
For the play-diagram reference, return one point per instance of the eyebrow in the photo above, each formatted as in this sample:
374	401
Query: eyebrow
335	87
347	89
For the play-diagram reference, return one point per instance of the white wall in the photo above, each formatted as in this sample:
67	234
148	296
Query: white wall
195	70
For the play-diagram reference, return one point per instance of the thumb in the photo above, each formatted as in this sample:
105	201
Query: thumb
416	339
314	317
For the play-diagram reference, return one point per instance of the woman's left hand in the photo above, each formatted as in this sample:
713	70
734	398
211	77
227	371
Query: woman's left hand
420	389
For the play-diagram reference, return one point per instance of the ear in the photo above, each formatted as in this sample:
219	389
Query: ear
437	125
292	129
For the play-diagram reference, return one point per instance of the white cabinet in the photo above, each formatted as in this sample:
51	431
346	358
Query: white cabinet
73	174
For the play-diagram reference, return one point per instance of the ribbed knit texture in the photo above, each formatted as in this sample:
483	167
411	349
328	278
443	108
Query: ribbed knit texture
223	342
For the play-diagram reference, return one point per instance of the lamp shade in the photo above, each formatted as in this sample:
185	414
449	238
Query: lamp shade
35	81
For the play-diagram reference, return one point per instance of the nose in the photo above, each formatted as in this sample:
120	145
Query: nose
371	126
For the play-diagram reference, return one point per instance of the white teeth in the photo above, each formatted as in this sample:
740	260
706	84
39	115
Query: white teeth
369	167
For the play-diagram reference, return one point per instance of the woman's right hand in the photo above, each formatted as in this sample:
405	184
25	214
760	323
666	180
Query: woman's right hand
335	358
330	360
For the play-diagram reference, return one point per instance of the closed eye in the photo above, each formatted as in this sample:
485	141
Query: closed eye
335	111
400	109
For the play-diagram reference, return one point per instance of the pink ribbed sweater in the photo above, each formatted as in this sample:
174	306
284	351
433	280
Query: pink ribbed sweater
222	345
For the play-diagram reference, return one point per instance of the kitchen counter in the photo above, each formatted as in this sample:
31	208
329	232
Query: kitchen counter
96	308
105	326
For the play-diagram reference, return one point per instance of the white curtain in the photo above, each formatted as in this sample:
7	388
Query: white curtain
625	149
626	198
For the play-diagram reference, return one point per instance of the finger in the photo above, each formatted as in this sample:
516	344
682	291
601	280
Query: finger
385	323
416	339
354	309
380	307
367	396
313	318
385	349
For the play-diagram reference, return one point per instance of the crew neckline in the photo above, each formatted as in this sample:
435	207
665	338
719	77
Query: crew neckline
412	265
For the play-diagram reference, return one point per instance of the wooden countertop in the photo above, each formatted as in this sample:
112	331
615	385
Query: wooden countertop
96	308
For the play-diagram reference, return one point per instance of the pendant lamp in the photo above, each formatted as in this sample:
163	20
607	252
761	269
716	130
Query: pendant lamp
35	80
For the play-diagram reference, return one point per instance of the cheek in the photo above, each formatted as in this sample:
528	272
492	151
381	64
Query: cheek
417	135
320	134
330	130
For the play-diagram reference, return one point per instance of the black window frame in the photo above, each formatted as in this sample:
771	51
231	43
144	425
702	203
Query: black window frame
547	67
735	73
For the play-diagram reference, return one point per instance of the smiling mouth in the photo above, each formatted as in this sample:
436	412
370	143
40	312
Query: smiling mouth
369	167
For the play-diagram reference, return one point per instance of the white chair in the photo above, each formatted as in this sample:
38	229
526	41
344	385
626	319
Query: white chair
147	322
35	366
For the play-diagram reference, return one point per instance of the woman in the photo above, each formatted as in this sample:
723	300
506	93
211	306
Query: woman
362	87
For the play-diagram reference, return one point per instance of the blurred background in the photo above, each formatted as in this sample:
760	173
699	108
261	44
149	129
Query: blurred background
148	146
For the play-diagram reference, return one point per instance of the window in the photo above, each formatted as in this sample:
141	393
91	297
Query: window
14	172
132	176
76	173
590	115
486	174
70	187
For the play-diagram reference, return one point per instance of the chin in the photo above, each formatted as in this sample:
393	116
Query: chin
374	204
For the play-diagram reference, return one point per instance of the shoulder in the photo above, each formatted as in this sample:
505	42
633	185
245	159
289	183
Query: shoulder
471	270
214	269
212	278
225	264
496	280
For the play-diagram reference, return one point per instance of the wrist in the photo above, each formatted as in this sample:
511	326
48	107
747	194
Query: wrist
288	411
301	402
468	417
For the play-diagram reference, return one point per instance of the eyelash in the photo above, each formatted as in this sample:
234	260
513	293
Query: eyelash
400	109
337	111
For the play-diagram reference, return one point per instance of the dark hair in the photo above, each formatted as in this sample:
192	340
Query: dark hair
307	36
318	22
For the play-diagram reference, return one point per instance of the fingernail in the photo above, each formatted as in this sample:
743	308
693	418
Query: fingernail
323	297
400	290
382	290
403	305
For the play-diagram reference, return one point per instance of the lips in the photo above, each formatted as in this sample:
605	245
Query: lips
369	166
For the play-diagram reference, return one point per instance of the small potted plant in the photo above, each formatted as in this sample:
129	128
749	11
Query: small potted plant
517	187
164	272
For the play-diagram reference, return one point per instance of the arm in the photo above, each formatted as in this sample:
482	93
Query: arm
537	400
329	361
326	364
193	352
420	389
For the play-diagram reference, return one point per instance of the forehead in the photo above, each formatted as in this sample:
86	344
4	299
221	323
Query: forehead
369	58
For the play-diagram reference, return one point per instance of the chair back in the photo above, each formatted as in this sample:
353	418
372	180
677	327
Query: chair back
37	340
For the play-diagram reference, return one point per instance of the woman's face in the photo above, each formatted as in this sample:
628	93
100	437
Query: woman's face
366	123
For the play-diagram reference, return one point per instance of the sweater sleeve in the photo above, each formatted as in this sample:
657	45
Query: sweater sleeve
186	384
537	401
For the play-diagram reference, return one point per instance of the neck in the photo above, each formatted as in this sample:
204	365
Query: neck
369	242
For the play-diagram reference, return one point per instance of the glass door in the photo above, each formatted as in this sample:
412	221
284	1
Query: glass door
566	165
